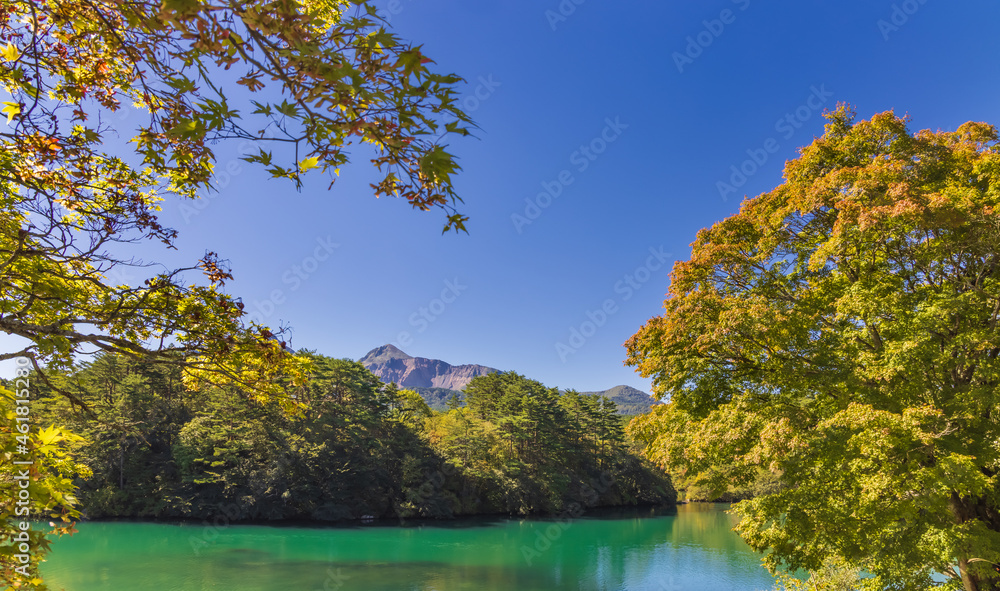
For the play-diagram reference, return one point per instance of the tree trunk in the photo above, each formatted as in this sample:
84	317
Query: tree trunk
967	581
970	582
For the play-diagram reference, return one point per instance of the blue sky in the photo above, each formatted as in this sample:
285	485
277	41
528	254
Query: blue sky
607	128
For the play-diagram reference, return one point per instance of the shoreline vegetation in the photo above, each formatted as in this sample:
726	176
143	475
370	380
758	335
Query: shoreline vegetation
456	521
356	450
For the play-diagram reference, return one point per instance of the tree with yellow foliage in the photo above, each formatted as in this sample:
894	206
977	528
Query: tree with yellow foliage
319	75
843	333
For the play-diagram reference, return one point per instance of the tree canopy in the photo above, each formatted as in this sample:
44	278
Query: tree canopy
305	81
359	447
841	333
313	78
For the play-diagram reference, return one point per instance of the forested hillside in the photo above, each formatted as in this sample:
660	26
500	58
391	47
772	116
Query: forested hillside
629	401
356	447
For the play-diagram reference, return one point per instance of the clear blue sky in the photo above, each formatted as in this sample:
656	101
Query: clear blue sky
549	83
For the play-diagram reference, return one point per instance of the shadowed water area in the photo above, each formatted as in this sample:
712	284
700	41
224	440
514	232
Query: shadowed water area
629	550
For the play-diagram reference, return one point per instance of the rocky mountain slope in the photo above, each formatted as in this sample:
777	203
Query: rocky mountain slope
437	380
392	365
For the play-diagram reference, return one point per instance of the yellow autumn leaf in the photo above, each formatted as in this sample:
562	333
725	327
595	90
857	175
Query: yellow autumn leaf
49	435
10	53
12	110
309	163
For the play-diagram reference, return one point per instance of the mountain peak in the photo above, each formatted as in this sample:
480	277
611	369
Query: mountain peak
392	365
383	354
630	401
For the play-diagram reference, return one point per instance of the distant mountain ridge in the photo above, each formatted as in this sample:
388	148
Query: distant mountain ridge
437	380
630	401
392	365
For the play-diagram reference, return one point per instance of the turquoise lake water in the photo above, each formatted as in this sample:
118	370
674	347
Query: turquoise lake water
690	548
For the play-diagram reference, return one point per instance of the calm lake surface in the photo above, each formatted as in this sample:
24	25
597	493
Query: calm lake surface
692	548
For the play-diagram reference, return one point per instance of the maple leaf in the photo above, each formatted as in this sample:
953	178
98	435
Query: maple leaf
10	53
12	110
309	163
